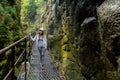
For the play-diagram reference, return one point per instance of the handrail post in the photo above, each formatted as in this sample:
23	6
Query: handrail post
13	61
29	46
25	57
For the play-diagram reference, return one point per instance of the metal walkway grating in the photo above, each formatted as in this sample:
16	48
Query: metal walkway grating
37	73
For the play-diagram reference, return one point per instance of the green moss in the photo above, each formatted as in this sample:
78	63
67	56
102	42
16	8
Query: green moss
16	72
3	62
64	39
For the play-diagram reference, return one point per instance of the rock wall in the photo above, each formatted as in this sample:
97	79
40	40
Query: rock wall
109	20
83	44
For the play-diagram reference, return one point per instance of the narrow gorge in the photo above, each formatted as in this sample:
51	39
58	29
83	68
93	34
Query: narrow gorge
83	39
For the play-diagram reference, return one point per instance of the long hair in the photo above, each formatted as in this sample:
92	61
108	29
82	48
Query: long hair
41	34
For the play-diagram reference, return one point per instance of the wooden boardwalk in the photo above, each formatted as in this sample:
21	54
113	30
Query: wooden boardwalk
37	73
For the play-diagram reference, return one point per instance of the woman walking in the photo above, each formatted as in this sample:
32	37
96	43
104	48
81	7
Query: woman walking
41	43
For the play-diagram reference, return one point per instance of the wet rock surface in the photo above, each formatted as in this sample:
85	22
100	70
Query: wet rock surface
86	38
109	20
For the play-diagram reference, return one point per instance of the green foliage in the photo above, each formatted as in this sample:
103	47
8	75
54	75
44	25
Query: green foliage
16	72
10	31
23	12
39	3
32	10
8	24
5	34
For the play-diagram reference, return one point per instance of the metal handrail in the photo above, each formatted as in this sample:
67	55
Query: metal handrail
12	46
14	65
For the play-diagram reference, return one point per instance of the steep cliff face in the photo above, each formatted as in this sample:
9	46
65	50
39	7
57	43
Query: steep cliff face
109	20
78	44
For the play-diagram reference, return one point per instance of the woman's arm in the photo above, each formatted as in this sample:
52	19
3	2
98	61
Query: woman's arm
33	38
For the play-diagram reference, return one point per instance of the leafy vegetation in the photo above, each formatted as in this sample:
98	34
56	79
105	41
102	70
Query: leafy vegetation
32	10
17	18
10	31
